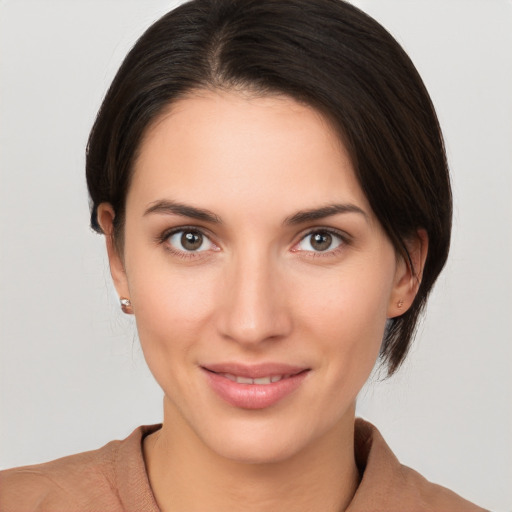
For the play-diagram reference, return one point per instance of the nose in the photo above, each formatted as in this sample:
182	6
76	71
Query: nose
254	301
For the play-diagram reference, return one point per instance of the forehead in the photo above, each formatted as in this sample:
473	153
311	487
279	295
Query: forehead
236	150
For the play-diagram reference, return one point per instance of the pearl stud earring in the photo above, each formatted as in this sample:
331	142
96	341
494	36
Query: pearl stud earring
126	306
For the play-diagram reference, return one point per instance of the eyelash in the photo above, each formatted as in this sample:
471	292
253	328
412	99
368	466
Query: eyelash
187	255
345	240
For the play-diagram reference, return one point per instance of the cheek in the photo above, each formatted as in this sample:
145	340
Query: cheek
352	299
171	309
346	313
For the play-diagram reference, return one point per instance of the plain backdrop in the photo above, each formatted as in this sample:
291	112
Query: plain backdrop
72	375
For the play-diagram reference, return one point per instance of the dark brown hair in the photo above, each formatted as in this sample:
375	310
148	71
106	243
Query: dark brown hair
326	53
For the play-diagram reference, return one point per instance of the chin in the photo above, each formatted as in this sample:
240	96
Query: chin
267	450
261	440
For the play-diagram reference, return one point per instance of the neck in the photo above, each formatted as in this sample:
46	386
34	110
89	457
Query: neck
185	475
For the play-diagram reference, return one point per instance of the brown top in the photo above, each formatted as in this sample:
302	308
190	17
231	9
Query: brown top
114	479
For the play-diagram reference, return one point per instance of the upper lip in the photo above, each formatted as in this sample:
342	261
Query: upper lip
254	371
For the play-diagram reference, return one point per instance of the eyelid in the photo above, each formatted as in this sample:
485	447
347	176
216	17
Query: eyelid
166	234
172	231
345	238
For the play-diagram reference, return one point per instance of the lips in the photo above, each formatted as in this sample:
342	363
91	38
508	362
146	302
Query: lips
255	386
261	380
254	371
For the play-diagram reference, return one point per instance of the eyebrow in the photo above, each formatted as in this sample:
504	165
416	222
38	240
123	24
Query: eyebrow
173	208
167	207
323	212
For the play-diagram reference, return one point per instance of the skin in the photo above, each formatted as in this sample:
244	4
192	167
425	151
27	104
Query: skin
257	291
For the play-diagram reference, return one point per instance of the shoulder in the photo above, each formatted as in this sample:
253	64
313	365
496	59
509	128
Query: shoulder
77	482
433	496
109	479
388	485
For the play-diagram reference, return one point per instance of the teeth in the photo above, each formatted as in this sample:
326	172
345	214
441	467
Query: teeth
260	380
263	380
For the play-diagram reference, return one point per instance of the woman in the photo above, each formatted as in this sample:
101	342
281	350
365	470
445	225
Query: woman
271	181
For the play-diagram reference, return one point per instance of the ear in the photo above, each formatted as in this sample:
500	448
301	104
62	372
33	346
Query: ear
407	278
106	217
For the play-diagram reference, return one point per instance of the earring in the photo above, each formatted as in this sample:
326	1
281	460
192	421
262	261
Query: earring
400	303
126	306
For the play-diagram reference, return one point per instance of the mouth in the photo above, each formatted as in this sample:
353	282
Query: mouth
263	381
254	387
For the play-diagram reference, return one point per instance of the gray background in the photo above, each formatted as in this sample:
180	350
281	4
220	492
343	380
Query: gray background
72	376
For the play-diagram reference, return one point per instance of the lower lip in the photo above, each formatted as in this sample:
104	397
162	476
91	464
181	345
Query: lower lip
253	396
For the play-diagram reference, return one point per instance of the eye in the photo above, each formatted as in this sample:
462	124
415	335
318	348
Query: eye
189	240
320	241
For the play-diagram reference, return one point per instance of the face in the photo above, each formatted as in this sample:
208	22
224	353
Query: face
260	278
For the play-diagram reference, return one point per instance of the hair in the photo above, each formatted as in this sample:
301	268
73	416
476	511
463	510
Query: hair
325	53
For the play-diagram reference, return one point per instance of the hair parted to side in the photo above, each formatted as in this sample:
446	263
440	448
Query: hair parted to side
326	53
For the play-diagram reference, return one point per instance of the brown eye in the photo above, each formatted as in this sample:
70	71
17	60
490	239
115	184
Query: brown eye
189	240
320	241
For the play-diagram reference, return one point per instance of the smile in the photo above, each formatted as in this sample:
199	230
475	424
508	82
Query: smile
261	380
254	387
